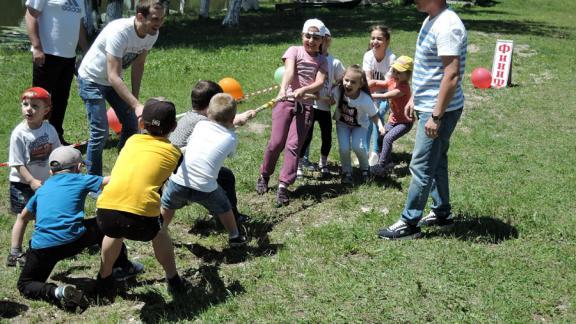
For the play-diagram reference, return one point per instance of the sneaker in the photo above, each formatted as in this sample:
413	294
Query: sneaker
178	286
347	179
300	171
128	272
366	176
373	159
382	171
307	165
282	198
262	185
400	231
432	219
105	290
71	298
237	241
13	260
324	171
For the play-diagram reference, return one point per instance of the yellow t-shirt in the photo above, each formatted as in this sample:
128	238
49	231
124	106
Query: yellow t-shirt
141	169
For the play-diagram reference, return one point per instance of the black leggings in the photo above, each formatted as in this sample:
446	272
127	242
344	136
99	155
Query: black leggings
40	263
324	119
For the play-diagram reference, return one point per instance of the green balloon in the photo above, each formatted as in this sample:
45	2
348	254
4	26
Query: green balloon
278	75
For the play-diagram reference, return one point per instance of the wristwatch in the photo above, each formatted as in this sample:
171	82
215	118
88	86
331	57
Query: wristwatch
436	118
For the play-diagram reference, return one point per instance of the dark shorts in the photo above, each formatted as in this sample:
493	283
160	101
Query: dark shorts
176	196
119	224
20	193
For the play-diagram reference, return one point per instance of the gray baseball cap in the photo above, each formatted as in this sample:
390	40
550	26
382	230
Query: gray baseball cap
64	157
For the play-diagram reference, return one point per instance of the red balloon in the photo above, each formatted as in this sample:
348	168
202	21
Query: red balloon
481	78
113	121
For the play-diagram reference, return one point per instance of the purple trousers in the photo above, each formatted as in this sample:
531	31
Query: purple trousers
290	124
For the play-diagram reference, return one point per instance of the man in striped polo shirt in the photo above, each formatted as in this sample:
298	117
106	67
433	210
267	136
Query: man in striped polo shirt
437	100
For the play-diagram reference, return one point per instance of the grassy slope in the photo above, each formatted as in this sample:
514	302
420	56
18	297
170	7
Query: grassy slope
511	258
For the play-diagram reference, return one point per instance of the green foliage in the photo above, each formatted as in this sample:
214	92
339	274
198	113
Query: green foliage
510	257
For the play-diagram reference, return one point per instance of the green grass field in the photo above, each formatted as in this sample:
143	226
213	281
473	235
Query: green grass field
510	258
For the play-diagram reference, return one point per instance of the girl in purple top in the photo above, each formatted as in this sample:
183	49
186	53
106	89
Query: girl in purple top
304	73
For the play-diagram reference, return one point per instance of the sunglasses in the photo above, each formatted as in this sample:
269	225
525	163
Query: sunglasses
315	37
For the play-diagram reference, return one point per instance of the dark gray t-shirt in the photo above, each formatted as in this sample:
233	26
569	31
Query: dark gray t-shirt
185	128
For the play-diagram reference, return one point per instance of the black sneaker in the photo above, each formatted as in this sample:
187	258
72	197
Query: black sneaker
306	164
347	179
13	260
366	176
432	219
262	185
72	299
105	290
178	286
282	198
324	171
131	270
241	239
400	231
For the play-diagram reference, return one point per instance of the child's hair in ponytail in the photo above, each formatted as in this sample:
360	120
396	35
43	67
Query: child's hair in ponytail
355	68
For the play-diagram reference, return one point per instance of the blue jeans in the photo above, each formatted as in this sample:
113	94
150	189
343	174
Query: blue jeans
372	132
356	135
95	96
429	168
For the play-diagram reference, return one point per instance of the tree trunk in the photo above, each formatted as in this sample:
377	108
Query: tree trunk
250	5
232	18
204	8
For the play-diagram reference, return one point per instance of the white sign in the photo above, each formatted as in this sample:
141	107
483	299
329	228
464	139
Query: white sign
502	65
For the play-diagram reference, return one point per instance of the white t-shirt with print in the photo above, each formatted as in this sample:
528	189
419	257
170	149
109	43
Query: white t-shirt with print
119	39
354	112
32	148
208	146
335	72
59	25
378	70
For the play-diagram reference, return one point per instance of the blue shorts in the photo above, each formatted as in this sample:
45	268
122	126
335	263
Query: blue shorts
20	193
176	196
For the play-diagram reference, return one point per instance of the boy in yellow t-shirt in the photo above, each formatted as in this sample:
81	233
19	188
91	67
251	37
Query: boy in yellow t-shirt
129	206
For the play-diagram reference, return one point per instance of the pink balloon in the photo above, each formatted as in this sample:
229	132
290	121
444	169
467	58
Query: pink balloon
481	78
113	121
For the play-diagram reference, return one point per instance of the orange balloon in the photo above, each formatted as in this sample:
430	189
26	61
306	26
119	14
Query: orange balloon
113	121
231	87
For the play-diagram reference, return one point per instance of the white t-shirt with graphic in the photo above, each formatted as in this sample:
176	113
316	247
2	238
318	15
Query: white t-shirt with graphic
355	112
208	146
119	39
378	70
59	25
32	148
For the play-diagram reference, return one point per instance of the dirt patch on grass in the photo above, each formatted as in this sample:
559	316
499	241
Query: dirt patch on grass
524	50
473	48
254	127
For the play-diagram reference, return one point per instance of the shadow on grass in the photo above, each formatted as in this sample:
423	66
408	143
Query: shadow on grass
10	309
208	289
183	31
478	229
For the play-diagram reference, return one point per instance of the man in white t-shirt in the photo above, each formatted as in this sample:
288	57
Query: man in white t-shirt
121	44
55	29
438	101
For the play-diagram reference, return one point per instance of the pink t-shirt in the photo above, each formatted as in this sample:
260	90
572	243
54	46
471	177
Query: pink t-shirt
306	68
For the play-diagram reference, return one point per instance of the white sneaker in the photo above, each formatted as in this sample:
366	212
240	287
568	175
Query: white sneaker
355	161
373	159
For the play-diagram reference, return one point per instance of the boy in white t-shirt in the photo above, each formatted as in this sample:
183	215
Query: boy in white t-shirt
121	44
195	181
31	143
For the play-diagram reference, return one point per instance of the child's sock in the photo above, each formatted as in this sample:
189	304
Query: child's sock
234	234
59	292
15	250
